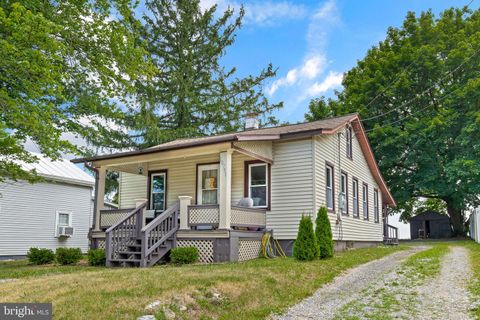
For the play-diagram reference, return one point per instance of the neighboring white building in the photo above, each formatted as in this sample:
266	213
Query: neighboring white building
31	215
475	225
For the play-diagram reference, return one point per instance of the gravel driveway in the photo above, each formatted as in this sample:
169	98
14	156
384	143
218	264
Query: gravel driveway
329	299
358	293
446	297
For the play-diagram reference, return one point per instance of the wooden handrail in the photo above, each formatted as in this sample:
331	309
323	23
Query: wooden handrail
165	214
249	209
134	211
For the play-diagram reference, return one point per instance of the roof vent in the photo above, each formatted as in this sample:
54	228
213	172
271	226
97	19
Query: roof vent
251	121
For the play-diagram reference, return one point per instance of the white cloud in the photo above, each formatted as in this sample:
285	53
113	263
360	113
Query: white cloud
310	78
262	13
310	69
332	81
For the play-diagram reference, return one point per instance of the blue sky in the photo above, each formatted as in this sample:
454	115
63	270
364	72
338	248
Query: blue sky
313	42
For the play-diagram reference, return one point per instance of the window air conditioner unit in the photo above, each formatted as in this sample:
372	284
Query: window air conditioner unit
65	231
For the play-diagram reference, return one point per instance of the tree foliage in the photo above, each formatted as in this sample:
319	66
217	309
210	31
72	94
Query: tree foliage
305	247
64	66
192	93
323	233
418	92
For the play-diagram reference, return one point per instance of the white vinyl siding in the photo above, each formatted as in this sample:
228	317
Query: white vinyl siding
29	216
352	228
181	179
291	187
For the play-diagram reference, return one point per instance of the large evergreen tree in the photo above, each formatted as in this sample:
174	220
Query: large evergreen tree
192	94
418	93
63	64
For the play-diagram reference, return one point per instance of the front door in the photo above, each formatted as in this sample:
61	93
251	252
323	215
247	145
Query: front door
158	186
207	184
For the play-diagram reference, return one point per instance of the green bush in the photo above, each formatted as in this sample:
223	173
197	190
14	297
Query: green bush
96	257
184	255
40	256
68	255
306	245
323	232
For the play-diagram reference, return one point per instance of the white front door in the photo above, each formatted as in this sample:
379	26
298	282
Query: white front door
207	184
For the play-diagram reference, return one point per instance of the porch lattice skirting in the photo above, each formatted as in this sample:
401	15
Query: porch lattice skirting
205	248
249	249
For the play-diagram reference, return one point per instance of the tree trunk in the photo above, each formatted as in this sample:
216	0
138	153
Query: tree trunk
456	217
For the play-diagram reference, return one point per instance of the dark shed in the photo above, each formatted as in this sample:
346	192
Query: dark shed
430	224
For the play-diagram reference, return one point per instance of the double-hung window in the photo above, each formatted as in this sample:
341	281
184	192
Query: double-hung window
258	184
365	201
349	147
329	187
376	209
355	197
344	193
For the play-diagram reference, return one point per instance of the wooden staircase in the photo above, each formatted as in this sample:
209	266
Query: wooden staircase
130	245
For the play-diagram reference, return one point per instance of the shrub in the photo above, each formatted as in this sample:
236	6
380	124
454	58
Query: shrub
96	257
40	256
306	245
184	255
68	255
323	233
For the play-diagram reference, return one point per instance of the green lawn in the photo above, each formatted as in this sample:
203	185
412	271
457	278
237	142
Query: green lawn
250	290
474	286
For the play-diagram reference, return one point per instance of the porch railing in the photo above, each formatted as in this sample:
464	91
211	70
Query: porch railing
209	215
248	217
203	215
123	233
109	217
391	234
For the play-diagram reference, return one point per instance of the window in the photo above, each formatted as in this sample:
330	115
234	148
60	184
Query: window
158	183
258	184
376	210
349	148
329	187
355	197
344	193
63	219
365	201
207	184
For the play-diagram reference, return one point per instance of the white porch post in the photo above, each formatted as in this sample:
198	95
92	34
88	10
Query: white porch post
100	195
225	183
185	201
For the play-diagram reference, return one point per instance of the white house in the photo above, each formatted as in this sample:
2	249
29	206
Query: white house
221	193
49	214
475	224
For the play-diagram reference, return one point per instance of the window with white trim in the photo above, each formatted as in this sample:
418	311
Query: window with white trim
207	188
158	185
344	192
365	202
376	209
258	184
349	146
355	197
63	219
329	187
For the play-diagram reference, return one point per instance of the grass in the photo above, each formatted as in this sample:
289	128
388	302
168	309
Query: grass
250	290
21	269
474	285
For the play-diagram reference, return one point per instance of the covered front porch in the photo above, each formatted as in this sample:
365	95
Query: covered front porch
220	194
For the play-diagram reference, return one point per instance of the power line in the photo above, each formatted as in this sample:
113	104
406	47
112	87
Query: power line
423	92
413	113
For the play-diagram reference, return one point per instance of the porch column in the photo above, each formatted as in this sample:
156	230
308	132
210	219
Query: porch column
185	201
225	183
100	195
